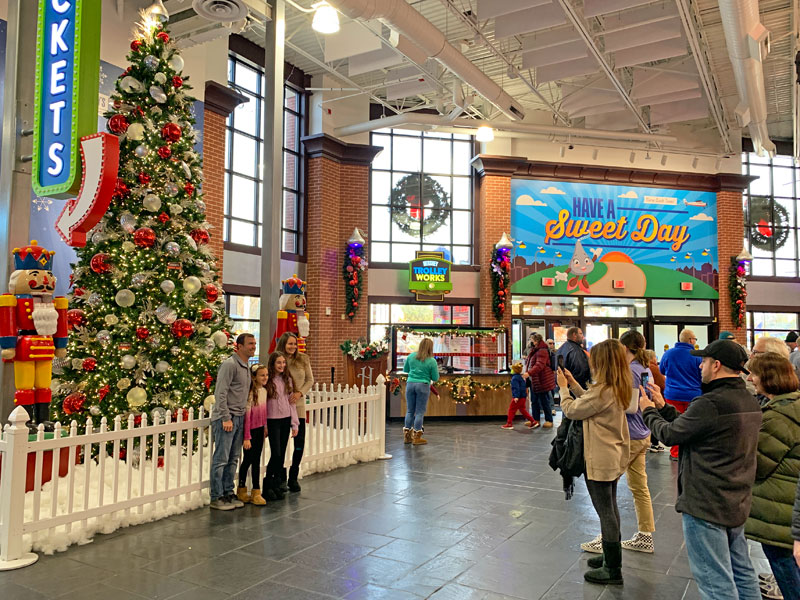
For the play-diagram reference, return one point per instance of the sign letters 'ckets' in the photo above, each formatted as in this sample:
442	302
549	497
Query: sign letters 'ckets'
67	78
429	276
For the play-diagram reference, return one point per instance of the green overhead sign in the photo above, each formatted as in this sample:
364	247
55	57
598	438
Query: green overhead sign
429	276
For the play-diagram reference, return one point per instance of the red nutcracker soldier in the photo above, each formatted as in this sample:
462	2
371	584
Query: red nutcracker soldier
292	315
33	329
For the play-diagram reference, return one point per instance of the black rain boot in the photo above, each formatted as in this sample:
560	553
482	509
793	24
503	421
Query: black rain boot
611	571
293	473
32	427
42	411
595	562
282	483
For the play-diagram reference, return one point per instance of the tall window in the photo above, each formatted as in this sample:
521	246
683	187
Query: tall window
421	196
770	324
382	316
244	311
245	157
770	214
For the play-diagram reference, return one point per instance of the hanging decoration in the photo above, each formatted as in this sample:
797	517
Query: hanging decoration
352	272
463	389
455	331
737	290
769	223
501	280
419	205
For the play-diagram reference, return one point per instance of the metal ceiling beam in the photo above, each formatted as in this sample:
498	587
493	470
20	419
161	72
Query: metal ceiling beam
580	27
499	54
703	69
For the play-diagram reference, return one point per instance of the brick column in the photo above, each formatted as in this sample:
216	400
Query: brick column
338	201
730	234
220	101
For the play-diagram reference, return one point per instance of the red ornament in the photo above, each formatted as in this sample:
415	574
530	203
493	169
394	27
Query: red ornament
182	328
138	111
206	314
76	318
74	403
160	462
163	217
144	178
351	313
171	132
164	152
99	263
79	291
355	304
208	381
163	36
142	333
103	391
501	293
212	293
188	188
89	364
118	124
177	81
122	454
137	420
121	189
200	236
355	293
136	44
144	237
349	269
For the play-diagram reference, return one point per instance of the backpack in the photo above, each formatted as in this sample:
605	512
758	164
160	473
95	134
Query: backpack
567	453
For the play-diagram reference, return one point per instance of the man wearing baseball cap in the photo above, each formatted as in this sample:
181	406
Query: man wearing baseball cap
718	436
794	354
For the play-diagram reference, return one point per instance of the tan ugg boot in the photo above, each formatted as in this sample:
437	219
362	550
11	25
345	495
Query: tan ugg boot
242	495
418	440
258	499
406	435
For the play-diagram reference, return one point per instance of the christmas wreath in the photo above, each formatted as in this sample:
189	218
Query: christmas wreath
419	203
501	281
737	290
769	223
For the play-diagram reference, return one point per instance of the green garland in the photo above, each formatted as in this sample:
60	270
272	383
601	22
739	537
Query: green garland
427	196
501	281
764	229
737	290
354	264
462	389
455	331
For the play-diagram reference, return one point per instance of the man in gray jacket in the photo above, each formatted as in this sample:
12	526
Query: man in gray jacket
227	421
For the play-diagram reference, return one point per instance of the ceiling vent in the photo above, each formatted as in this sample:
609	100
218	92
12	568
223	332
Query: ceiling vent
221	11
206	20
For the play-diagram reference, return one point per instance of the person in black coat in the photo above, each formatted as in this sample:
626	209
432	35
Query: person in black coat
796	525
575	359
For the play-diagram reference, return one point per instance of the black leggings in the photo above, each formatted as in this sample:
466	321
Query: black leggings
604	500
278	431
251	459
297	455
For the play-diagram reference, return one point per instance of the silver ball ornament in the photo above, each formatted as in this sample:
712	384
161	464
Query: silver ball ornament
103	336
128	246
151	202
166	315
192	284
171	189
128	222
138	280
94	410
172	248
128	361
124	383
175	350
167	286
154	341
151	62
162	366
136	397
94	300
141	151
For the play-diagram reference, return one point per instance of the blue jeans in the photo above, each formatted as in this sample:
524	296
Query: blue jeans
542	403
227	448
719	560
416	404
785	569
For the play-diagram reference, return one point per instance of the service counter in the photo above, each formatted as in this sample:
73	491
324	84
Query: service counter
485	403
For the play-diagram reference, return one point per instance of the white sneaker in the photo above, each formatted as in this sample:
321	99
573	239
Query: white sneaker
595	546
221	504
641	542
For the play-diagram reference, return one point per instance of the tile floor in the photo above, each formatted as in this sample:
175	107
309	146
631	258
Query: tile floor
475	514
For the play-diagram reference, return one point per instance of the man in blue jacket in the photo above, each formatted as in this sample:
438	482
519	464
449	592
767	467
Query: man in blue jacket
682	372
575	359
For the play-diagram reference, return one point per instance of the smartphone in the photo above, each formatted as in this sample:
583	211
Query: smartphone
645	381
560	362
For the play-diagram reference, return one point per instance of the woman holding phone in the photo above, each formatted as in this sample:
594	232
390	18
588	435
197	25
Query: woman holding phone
638	362
606	445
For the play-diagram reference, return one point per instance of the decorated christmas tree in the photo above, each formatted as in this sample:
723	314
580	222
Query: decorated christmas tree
147	323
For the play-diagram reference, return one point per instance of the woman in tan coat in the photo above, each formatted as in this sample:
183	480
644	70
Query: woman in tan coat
606	444
300	368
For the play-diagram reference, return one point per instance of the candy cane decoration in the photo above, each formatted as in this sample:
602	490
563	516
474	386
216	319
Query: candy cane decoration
99	165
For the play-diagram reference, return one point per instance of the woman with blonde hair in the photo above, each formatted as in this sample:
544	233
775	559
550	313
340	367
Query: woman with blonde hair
606	445
423	370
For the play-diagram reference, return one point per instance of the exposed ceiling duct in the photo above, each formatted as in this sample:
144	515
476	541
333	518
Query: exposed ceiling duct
747	41
403	18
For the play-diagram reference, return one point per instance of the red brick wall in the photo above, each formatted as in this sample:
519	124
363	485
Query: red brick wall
214	178
730	227
338	201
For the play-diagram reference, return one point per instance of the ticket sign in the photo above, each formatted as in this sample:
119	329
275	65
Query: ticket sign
429	276
67	79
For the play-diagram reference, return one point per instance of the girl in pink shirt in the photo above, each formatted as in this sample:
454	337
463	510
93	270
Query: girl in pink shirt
255	420
281	420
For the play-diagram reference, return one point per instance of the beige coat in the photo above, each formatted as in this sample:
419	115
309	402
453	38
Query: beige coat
606	442
300	369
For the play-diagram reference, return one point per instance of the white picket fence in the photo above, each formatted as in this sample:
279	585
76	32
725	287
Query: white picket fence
140	472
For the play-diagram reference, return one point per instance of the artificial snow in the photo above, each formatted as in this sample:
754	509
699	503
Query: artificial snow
59	538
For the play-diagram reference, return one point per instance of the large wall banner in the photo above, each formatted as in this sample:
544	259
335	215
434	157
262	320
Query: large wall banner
611	240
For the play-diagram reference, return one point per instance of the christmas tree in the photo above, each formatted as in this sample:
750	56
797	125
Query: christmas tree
147	323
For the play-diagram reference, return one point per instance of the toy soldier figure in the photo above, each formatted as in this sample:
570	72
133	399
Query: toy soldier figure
292	315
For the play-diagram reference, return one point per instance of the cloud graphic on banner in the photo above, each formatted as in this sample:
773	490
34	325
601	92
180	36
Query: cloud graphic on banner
526	200
701	217
553	190
629	194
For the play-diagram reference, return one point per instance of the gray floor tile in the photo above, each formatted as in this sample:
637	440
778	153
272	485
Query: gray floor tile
148	584
414	553
316	581
270	590
233	572
329	556
374	569
373	592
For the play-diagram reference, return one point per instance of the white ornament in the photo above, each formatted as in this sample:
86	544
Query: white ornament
160	78
125	298
220	339
128	246
98	237
175	209
157	94
77	363
186	170
162	366
137	397
167	286
151	202
124	383
94	300
94	410
111	320
176	62
166	315
135	131
200	205
131	85
192	284
128	361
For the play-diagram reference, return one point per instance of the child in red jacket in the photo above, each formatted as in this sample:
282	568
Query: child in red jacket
519	395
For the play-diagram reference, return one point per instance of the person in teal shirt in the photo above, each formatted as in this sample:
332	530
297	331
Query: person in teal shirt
422	370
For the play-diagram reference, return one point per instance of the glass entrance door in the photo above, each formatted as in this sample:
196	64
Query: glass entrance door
594	333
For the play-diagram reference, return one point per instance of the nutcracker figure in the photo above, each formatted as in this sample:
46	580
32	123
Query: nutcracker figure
33	329
292	315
